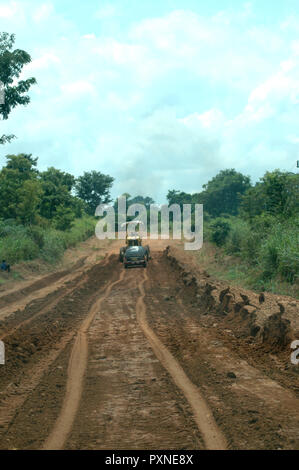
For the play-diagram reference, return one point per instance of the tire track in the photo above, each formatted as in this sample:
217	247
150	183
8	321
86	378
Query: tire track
128	399
76	371
16	396
24	296
50	305
44	310
203	416
41	284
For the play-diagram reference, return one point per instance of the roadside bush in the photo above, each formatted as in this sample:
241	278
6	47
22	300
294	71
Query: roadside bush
239	232
16	249
250	247
82	229
9	228
280	252
20	243
64	218
53	248
37	234
219	231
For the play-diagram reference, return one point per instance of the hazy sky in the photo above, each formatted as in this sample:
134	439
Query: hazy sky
160	94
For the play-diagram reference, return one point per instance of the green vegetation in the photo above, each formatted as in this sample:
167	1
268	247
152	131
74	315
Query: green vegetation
93	188
22	243
40	216
258	233
41	213
11	65
220	230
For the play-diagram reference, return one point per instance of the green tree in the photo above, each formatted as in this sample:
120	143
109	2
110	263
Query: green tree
11	65
146	201
24	164
220	230
58	178
178	197
277	194
128	202
64	218
57	186
222	193
252	203
18	170
30	196
94	189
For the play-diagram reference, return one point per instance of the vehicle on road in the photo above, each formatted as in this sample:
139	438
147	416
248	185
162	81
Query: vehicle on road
133	238
135	256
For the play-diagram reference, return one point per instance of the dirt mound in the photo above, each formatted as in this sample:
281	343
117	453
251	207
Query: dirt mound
263	317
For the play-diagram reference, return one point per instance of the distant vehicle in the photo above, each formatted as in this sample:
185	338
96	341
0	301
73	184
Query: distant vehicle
134	239
135	256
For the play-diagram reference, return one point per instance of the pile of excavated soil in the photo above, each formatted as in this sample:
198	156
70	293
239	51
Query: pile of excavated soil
264	317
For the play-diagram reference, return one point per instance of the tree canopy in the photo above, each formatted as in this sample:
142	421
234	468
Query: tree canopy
94	189
33	197
222	194
11	65
15	189
277	194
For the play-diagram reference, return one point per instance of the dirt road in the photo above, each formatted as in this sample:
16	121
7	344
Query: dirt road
98	357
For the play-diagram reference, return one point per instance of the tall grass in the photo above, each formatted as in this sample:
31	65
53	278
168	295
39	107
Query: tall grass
280	252
267	249
19	243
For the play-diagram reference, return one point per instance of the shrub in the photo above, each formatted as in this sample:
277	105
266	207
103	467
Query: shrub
37	234
280	252
15	249
239	232
250	247
53	246
64	218
9	228
219	231
82	229
19	243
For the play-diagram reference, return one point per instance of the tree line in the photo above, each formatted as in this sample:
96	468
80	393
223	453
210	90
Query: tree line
257	223
231	193
52	197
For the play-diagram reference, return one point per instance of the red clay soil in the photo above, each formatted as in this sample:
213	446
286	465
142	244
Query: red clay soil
157	358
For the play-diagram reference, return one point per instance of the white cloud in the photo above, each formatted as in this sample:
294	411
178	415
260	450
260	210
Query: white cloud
179	96
279	91
225	52
89	36
8	10
295	47
212	118
78	88
46	60
43	12
291	23
120	53
118	102
107	11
